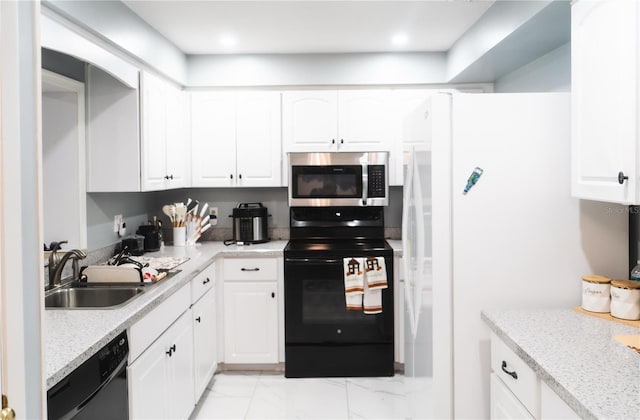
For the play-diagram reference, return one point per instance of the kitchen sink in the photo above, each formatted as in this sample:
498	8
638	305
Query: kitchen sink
91	297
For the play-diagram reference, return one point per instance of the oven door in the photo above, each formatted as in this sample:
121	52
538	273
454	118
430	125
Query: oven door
315	309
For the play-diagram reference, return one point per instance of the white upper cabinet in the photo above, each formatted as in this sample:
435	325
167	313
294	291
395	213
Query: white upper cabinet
236	139
178	138
165	135
604	53
310	120
327	120
365	120
411	126
113	134
258	139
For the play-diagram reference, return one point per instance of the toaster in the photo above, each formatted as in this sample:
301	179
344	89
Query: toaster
134	244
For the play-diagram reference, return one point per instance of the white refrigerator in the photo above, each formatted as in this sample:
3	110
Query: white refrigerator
515	239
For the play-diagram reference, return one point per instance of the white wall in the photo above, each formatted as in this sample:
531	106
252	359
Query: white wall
549	73
115	22
316	69
136	209
498	22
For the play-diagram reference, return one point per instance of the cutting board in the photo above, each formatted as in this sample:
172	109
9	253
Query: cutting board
607	316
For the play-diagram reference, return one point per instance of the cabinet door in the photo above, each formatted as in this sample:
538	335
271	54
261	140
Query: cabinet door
411	123
258	143
504	405
604	56
113	136
364	120
204	341
179	338
309	121
178	138
213	139
148	385
552	406
250	322
153	117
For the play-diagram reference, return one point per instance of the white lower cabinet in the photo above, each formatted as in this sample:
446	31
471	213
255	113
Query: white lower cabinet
204	341
250	314
505	405
173	353
517	392
250	322
161	379
552	406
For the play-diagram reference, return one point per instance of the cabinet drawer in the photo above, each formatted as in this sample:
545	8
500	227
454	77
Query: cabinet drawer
504	405
203	282
152	325
250	269
515	374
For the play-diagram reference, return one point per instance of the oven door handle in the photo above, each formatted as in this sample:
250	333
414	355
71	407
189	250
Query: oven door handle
313	260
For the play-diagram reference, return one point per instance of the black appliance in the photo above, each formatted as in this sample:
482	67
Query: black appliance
134	244
322	337
97	389
152	237
249	224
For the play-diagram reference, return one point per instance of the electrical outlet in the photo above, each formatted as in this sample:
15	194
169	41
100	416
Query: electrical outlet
117	223
213	215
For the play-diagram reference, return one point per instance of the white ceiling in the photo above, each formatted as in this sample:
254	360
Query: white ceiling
309	26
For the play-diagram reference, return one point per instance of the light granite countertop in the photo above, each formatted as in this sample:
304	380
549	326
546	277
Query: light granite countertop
72	336
576	356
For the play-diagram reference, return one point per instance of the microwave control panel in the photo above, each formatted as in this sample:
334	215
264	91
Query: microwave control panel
376	175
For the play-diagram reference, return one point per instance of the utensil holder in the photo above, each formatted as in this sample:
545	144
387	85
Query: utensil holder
179	236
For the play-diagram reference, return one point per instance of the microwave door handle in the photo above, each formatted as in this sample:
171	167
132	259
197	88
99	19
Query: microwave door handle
365	183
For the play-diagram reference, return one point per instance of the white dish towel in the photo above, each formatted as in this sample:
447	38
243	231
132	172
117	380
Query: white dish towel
364	279
353	282
375	276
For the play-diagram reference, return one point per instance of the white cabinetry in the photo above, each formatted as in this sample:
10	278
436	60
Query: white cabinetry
324	120
605	43
552	406
505	405
236	139
160	371
161	379
517	392
165	135
251	332
411	126
204	329
113	134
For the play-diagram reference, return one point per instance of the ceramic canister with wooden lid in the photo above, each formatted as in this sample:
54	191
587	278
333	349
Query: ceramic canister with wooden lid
596	293
625	299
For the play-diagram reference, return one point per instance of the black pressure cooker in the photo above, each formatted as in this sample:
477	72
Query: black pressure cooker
249	224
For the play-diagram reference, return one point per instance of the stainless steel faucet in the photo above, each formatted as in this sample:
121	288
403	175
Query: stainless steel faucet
56	263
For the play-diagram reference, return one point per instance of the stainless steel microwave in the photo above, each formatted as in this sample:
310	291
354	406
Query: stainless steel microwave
326	179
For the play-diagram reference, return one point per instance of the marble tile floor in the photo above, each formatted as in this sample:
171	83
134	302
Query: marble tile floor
269	395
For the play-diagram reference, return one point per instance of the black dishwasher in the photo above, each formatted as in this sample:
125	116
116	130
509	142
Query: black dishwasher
97	389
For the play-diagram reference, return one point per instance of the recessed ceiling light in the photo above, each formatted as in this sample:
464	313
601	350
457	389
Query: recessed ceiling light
228	41
399	39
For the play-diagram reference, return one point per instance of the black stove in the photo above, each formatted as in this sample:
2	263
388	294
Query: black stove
322	337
